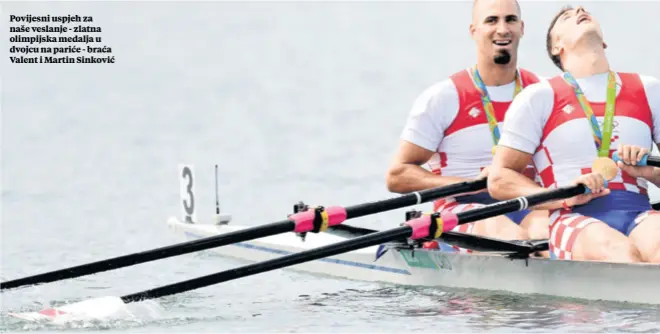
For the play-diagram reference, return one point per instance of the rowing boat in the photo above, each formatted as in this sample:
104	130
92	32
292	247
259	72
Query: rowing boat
399	263
316	241
632	283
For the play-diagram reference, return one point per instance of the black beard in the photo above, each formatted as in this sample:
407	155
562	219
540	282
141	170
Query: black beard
502	58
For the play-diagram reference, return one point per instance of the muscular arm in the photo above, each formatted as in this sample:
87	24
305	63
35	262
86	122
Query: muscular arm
406	174
521	134
430	115
506	181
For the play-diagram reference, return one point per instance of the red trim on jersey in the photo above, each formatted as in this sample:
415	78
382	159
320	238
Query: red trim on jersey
631	102
469	98
443	159
547	176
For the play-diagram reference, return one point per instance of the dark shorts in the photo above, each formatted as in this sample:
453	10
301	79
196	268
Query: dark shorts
621	210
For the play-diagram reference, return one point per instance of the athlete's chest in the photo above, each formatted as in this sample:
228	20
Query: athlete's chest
630	121
472	116
576	134
621	112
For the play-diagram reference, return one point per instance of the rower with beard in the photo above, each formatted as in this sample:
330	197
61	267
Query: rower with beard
454	125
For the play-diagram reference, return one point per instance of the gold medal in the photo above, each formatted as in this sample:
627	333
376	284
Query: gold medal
605	167
494	149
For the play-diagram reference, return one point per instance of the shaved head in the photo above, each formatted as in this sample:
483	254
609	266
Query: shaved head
497	29
476	6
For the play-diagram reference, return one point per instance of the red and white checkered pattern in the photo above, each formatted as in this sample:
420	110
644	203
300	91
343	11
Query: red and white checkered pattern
450	205
557	168
564	229
567	225
543	165
567	149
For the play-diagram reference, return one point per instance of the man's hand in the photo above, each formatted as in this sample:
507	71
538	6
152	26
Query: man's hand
630	155
482	175
595	182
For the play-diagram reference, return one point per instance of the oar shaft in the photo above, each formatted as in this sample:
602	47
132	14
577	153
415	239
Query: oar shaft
417	197
653	161
520	203
277	263
300	222
435	224
416	229
154	254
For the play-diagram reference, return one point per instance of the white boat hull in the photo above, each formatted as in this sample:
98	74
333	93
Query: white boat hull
634	283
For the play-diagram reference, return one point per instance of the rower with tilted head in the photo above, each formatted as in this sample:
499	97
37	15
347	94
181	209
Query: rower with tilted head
557	125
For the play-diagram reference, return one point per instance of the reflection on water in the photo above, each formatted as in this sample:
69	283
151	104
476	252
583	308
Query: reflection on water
482	311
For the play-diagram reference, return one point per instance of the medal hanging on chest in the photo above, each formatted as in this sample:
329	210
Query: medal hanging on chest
488	104
602	139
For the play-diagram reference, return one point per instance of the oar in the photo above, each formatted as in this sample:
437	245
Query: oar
314	220
647	160
463	240
425	226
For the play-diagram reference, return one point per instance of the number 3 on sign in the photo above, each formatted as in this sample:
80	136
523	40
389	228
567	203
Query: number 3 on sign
186	174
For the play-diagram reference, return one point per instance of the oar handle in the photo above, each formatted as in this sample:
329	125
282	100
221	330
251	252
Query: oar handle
435	224
647	160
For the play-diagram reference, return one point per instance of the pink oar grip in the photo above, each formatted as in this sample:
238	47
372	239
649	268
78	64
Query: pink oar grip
420	226
449	221
336	215
305	220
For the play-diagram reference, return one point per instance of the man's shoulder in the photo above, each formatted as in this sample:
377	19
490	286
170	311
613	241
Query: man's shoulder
649	80
644	78
651	90
440	87
538	97
650	83
439	91
541	87
540	77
